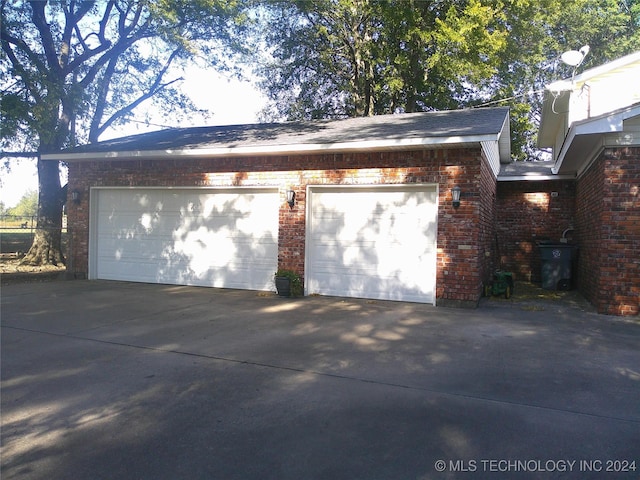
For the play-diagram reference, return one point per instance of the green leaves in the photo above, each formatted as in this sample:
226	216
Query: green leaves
371	57
94	62
363	57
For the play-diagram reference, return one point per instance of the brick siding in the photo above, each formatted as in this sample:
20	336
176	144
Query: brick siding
527	212
464	234
608	228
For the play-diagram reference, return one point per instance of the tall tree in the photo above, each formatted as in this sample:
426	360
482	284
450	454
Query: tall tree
365	57
539	32
73	68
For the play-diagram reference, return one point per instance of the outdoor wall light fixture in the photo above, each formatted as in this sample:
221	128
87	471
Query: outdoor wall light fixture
291	198
75	196
455	195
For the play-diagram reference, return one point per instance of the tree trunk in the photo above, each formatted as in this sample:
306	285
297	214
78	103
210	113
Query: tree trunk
47	242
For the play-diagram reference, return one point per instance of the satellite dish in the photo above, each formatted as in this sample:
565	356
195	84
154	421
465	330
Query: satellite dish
573	58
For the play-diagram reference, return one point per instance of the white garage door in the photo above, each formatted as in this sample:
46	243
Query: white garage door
374	242
209	237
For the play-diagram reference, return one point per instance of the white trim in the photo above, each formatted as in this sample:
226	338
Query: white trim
492	152
568	84
373	145
386	186
604	125
92	247
534	177
590	160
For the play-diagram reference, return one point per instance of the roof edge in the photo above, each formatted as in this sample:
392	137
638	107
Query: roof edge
613	123
273	150
533	178
568	84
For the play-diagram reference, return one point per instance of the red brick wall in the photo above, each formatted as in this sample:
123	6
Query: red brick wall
463	233
608	228
527	212
488	218
589	227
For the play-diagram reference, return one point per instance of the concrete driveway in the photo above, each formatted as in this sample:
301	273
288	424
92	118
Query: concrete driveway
129	381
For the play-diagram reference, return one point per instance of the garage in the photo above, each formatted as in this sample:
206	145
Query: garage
216	237
374	242
354	207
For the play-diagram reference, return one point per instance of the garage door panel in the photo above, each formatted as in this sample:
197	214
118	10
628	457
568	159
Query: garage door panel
213	237
375	242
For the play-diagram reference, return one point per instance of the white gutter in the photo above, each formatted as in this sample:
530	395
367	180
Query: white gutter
290	149
533	177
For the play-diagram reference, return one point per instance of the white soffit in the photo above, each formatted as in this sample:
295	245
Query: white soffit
587	137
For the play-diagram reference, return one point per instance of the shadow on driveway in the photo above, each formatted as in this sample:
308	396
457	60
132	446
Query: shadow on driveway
116	380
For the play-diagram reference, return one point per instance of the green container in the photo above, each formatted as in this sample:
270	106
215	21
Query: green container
502	284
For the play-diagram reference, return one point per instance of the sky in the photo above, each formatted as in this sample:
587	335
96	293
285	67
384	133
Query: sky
231	101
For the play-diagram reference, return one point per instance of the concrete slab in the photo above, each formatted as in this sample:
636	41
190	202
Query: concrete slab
117	380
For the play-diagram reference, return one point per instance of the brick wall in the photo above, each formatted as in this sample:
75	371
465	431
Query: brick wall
463	233
608	228
527	212
488	218
590	204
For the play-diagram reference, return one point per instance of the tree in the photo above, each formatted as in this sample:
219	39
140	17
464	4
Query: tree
365	57
72	69
540	31
27	206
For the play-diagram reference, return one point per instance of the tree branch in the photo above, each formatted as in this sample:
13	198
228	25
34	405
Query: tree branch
40	21
129	108
105	21
15	62
97	129
8	39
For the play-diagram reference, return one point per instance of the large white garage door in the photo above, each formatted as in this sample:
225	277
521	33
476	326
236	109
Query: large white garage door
209	237
374	242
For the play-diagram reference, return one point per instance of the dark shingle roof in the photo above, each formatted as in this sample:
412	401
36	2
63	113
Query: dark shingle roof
460	125
536	170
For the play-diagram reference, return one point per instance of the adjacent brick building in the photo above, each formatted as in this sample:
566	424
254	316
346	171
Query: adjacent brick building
371	211
592	125
147	205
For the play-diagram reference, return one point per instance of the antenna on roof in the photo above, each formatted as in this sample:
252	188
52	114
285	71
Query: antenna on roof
574	58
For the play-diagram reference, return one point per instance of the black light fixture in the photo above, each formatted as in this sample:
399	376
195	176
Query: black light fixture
75	196
455	195
291	198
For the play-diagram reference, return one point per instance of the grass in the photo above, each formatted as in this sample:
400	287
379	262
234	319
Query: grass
13	240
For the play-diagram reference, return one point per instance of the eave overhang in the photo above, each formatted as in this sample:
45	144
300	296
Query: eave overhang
278	150
587	138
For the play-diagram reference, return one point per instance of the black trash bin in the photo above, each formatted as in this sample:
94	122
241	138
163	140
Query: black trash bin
557	264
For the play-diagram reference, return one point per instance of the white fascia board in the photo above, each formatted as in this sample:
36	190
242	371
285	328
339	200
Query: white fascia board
504	141
619	139
267	150
612	122
570	84
532	177
607	67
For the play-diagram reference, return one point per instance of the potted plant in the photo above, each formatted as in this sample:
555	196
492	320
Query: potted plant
288	283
